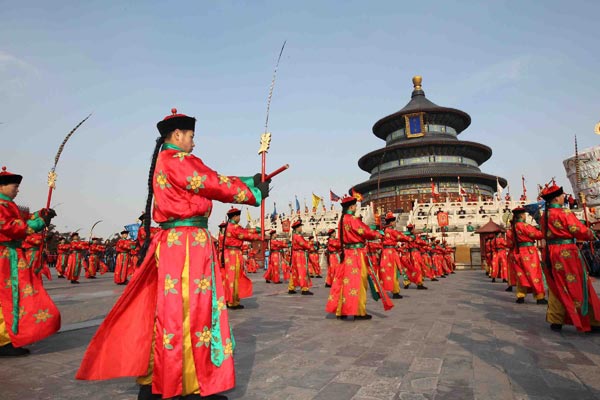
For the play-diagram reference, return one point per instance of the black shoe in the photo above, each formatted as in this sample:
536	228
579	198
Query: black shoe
292	292
520	300
434	280
556	327
91	277
345	317
406	286
493	280
541	301
396	296
318	276
504	280
211	397
267	281
421	287
443	276
363	317
61	277
11	351
307	293
508	289
278	283
145	393
595	329
75	282
452	272
327	285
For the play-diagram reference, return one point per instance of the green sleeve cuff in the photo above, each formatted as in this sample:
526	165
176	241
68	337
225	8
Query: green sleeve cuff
36	224
249	181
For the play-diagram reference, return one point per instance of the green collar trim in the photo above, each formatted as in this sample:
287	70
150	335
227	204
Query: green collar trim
169	146
232	222
349	212
5	197
554	205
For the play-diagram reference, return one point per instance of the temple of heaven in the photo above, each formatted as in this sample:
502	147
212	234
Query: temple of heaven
423	154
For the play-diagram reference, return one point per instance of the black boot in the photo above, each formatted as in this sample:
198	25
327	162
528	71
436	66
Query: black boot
267	281
145	393
556	327
327	285
396	296
520	300
307	293
508	289
211	397
11	351
493	280
406	286
292	292
434	280
542	301
421	287
75	282
363	317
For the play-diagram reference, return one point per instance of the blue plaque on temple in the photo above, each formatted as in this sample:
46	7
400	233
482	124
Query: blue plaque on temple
415	124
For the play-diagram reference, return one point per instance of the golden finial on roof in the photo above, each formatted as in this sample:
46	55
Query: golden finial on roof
417	82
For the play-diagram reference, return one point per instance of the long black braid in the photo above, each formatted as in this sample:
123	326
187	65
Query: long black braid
513	224
341	234
223	247
148	210
546	248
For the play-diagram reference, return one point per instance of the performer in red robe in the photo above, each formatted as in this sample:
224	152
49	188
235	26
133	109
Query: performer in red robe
27	313
170	326
348	294
95	263
391	267
525	257
237	284
276	259
333	256
572	299
62	252
32	245
313	258
251	263
299	275
122	248
413	261
76	259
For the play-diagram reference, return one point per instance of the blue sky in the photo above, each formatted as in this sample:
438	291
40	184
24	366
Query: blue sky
527	74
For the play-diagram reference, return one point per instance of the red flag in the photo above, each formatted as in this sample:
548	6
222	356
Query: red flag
333	196
434	191
356	195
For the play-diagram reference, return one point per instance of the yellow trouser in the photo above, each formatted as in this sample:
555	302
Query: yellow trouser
4	338
396	288
189	378
236	281
522	293
556	311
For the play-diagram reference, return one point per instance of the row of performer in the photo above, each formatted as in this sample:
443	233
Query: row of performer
556	269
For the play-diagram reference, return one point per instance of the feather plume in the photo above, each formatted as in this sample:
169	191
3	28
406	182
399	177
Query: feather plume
62	145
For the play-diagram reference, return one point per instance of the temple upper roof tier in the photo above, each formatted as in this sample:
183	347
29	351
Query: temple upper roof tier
433	114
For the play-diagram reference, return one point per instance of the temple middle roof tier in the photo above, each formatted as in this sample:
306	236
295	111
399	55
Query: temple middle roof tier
402	176
425	146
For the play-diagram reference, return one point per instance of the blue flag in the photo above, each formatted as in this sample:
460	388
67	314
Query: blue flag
297	204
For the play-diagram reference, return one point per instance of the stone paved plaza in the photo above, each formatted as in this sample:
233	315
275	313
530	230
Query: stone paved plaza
465	338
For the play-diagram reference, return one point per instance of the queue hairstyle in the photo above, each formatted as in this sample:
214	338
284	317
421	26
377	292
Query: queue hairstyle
148	210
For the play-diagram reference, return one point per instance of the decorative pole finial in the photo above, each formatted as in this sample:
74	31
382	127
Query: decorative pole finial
417	79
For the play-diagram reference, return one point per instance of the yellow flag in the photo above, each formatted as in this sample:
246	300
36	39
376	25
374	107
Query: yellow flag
248	216
315	200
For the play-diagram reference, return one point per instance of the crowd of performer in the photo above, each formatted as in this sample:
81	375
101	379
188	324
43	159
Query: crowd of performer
181	280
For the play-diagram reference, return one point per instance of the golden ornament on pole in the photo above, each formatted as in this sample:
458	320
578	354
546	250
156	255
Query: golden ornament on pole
597	129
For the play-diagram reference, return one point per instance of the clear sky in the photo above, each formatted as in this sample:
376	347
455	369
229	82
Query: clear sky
526	72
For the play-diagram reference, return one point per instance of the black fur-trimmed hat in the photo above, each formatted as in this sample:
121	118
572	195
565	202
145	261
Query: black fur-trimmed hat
175	121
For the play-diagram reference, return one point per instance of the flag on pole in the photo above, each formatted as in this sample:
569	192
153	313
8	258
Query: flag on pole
315	201
248	216
461	190
297	205
498	189
333	196
274	214
524	195
356	195
434	191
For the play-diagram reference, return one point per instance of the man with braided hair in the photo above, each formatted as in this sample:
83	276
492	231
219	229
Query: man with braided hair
27	313
571	299
174	308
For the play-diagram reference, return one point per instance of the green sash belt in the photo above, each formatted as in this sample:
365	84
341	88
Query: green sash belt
389	247
233	248
526	244
199	222
14	280
354	246
560	241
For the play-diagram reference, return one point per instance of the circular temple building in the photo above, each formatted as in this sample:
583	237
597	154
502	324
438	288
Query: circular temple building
423	155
